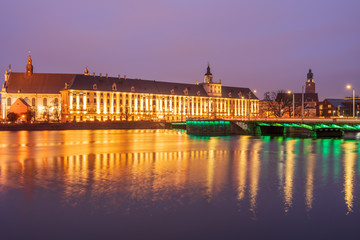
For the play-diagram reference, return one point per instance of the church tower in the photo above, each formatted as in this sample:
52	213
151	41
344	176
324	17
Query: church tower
29	66
208	75
213	89
310	84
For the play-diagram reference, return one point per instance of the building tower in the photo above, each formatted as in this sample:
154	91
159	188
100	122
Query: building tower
29	66
208	75
310	84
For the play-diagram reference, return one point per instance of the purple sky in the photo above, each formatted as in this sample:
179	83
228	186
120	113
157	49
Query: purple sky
260	44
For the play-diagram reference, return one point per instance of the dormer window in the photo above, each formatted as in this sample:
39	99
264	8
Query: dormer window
186	91
114	88
198	93
172	91
132	89
94	86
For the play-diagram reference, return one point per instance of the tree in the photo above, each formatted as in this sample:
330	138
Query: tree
29	115
12	117
56	114
278	103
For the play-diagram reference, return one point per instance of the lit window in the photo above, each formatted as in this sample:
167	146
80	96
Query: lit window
45	102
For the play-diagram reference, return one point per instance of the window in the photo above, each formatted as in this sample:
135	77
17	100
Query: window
9	101
88	100
95	86
108	101
101	101
33	102
45	102
94	100
56	102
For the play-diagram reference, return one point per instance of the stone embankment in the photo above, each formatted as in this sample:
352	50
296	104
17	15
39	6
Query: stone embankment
84	126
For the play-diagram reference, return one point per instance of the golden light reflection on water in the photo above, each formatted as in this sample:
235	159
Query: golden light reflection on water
309	187
289	173
113	166
349	174
255	165
242	168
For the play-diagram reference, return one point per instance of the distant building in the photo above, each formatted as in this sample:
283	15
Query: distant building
81	97
310	98
338	108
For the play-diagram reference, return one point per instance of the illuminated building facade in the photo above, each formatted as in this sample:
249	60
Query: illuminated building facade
101	98
84	97
41	91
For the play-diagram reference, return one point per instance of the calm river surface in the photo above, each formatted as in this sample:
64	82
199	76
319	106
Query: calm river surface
164	184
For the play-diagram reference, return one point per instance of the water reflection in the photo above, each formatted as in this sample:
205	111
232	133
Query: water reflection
349	174
116	169
289	173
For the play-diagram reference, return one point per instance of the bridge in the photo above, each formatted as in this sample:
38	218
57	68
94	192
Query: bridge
290	127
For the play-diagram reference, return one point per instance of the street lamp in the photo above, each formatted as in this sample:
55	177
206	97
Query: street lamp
293	103
349	87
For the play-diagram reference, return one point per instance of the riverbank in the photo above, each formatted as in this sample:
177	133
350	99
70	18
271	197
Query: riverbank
84	126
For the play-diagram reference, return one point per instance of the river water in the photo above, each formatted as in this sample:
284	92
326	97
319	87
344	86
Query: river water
164	184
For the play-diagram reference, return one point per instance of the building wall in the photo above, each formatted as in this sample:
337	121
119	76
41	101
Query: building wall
103	105
43	105
326	109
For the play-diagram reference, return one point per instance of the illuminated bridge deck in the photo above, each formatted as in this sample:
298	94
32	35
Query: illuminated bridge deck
306	127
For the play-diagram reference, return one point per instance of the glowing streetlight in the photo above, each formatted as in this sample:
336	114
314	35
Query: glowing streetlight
349	87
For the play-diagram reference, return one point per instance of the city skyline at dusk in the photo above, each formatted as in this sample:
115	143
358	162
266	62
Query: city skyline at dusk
260	45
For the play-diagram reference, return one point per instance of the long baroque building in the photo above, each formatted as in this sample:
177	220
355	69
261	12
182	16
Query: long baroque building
84	97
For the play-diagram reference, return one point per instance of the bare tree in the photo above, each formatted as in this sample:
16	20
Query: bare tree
278	103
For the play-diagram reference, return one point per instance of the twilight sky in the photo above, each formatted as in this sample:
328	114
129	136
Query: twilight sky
260	44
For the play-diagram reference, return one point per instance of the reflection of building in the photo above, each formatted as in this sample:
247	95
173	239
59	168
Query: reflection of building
40	91
89	98
338	107
84	97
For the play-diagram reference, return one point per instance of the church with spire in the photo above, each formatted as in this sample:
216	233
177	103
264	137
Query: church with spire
311	98
38	92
